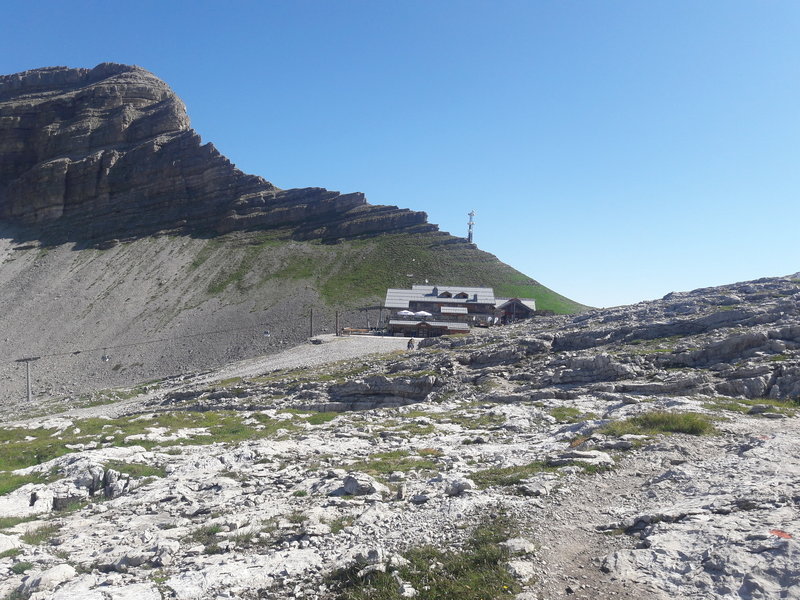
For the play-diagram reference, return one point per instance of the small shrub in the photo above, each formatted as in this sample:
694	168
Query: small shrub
20	567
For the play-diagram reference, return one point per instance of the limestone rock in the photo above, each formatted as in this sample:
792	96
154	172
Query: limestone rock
108	153
49	579
361	484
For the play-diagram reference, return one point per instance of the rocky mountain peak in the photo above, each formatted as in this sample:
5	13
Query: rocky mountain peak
108	152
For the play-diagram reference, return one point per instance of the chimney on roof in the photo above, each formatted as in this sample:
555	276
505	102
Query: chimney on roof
435	290
475	296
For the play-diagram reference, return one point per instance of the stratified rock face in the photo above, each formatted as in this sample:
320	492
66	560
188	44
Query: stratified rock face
109	152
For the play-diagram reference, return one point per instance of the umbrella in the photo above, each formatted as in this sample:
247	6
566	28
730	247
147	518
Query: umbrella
422	313
405	313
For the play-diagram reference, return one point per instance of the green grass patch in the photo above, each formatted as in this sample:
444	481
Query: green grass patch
10	481
10	553
20	448
20	567
310	416
41	534
384	463
505	476
475	572
9	522
298	267
778	358
742	405
365	269
657	422
339	523
297	517
569	414
136	469
207	536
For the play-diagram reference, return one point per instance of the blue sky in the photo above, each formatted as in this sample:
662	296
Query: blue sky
615	151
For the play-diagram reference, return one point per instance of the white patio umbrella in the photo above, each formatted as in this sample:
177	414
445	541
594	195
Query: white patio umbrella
405	313
422	313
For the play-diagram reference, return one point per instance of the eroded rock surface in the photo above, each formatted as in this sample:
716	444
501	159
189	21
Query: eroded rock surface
251	492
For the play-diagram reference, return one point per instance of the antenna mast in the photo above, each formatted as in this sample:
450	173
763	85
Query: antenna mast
471	215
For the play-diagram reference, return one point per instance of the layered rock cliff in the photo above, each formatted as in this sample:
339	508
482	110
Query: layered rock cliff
108	152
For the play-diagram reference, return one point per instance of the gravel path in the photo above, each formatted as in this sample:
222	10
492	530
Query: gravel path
332	349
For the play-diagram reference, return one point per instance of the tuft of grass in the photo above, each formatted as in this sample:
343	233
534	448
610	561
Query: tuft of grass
778	357
10	553
340	523
653	423
569	414
296	517
9	522
476	572
41	534
20	567
384	463
207	536
505	476
742	405
311	417
432	452
136	469
10	482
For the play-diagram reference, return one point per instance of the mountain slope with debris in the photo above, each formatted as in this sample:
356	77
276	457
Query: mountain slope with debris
643	451
130	250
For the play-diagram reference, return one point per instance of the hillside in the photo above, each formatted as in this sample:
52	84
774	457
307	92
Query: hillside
207	301
645	451
130	250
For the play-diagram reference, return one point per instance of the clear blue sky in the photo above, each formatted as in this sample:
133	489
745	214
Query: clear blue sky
615	151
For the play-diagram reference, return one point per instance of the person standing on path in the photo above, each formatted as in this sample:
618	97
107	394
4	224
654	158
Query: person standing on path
410	344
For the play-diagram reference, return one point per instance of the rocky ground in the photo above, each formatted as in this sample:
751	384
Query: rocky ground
648	451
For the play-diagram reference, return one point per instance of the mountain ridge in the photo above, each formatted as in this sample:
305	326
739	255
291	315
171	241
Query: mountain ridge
109	152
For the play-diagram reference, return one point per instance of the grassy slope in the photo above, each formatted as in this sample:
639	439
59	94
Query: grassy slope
355	272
